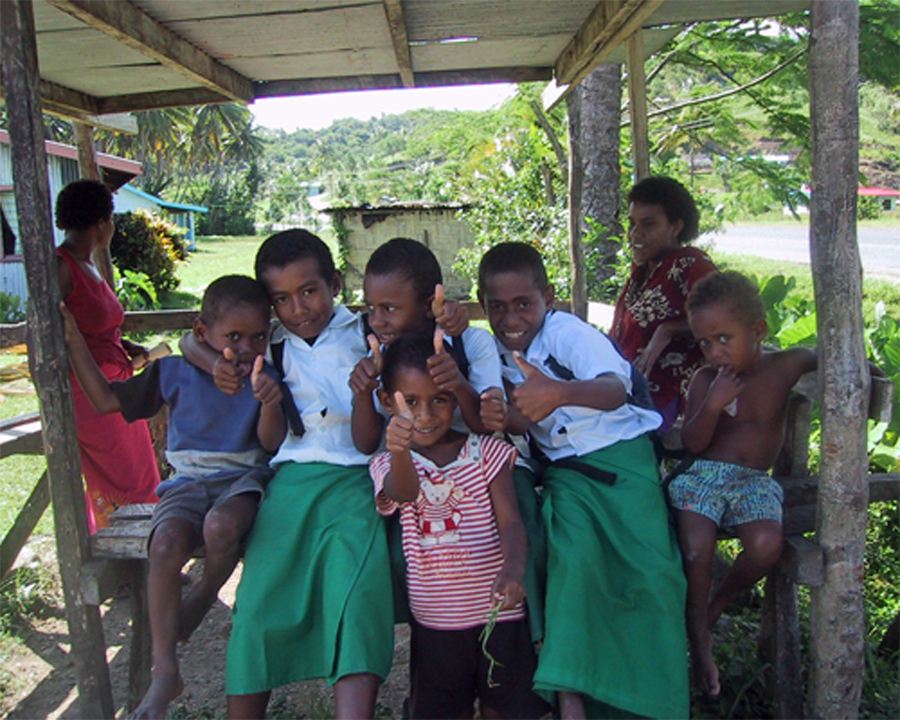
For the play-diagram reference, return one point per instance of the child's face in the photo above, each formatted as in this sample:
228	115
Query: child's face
432	408
303	299
515	307
650	234
726	340
243	329
393	307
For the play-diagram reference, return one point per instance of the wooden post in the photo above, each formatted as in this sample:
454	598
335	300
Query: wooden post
18	57
90	170
836	619
637	95
576	188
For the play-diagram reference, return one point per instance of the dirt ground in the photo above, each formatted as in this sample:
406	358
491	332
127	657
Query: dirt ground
44	678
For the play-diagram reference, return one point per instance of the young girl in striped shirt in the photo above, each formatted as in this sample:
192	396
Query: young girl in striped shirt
465	547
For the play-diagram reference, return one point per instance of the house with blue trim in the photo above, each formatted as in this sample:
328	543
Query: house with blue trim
128	199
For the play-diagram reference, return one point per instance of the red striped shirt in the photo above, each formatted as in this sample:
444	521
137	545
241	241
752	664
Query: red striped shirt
450	536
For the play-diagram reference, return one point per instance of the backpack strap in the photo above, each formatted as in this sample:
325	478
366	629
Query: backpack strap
288	406
457	351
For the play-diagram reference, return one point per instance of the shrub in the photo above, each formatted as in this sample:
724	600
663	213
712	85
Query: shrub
135	291
146	243
11	310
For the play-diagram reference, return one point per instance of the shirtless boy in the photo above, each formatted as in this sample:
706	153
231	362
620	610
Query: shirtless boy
734	425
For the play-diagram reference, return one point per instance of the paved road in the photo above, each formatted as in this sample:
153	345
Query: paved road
879	246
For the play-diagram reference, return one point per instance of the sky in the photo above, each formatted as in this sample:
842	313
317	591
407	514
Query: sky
319	111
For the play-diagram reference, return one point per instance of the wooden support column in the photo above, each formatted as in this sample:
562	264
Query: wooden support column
637	95
90	170
837	621
18	57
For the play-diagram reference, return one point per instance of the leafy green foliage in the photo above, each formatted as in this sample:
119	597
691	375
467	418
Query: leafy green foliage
11	310
136	292
146	243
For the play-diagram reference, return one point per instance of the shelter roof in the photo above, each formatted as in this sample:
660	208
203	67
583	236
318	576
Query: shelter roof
99	57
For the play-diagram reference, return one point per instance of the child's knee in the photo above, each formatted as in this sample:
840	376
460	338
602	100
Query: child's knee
225	527
765	545
697	551
170	546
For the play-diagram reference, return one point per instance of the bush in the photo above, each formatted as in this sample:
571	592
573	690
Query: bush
135	291
146	243
11	310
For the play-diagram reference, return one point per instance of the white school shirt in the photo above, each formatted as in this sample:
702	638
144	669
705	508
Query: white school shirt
587	353
318	377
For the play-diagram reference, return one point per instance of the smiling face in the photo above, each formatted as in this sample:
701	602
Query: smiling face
515	307
650	234
726	340
394	308
432	408
302	298
244	329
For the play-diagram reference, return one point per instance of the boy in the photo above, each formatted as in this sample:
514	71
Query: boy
220	468
734	425
315	595
465	545
608	536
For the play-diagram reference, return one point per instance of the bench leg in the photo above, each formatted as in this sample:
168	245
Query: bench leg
780	645
139	659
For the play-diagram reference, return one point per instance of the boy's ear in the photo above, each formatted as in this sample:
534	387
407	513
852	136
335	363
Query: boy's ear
337	283
387	402
549	295
199	329
761	329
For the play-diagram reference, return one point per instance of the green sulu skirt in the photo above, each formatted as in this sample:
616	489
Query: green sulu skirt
315	595
614	607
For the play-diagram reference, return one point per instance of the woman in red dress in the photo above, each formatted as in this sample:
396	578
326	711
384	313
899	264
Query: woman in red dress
650	325
117	457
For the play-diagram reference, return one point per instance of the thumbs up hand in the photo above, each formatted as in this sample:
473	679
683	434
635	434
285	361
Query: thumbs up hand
398	437
265	388
494	410
364	378
449	315
442	367
538	395
228	373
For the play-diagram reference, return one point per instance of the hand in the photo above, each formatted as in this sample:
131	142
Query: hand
724	389
266	389
398	437
494	410
538	396
442	366
449	315
648	356
364	378
508	589
228	373
140	356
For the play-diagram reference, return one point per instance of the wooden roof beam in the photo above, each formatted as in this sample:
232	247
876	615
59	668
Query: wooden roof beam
608	26
393	10
131	26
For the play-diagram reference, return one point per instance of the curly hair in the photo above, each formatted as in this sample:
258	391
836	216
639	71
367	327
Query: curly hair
729	288
410	259
409	351
230	291
283	248
674	199
83	203
513	257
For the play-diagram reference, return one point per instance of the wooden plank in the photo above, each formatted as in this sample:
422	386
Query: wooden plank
24	524
780	645
103	578
140	659
18	58
139	511
131	26
134	102
608	25
802	561
881	399
22	437
637	95
158	320
393	10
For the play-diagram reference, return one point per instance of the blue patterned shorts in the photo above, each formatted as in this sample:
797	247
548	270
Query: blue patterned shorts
727	494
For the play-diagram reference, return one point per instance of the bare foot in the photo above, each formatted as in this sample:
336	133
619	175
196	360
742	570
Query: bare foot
194	607
163	689
706	674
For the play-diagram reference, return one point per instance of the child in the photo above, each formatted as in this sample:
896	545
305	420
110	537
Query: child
734	424
220	468
464	543
404	294
614	629
315	595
